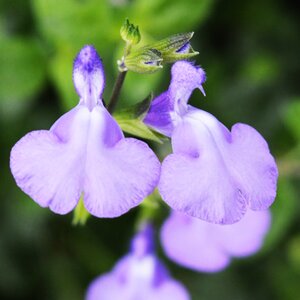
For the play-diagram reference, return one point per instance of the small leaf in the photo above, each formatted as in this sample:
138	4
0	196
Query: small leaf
136	127
130	120
138	110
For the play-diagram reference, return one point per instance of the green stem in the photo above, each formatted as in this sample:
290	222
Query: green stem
116	91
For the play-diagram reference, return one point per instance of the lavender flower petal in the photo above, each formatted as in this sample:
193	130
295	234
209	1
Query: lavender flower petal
165	110
208	247
88	76
189	242
159	115
119	174
245	237
47	165
215	174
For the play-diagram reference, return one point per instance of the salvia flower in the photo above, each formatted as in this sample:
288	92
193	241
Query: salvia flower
208	247
85	152
213	174
138	276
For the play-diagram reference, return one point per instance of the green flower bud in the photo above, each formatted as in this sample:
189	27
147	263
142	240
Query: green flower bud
143	60
130	33
175	47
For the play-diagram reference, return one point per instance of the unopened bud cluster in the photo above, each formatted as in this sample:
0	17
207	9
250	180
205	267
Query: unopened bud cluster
150	58
130	33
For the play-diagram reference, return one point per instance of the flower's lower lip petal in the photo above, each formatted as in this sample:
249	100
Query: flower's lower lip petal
191	243
254	166
118	175
246	236
201	188
214	173
119	178
44	170
49	165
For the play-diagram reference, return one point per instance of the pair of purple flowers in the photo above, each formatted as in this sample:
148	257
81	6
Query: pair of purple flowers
213	174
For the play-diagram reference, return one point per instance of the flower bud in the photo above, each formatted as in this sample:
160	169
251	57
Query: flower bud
143	60
130	33
175	47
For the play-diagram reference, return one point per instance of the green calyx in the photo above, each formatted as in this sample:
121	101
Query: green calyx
81	215
143	60
175	47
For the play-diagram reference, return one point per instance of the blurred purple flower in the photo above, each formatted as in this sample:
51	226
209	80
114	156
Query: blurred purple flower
207	247
85	152
213	174
138	276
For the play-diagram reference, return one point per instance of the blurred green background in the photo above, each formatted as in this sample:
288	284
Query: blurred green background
250	51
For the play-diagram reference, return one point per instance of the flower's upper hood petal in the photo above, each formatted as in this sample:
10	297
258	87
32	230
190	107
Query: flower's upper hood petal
167	109
88	76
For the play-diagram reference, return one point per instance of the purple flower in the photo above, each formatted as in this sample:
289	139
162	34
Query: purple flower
208	247
137	276
213	174
85	152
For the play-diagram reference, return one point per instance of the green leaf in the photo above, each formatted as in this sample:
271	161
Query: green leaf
138	110
136	127
130	120
22	73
